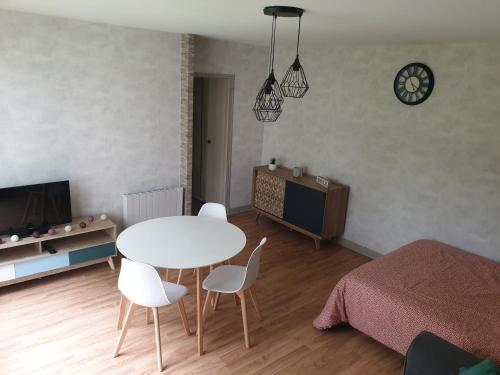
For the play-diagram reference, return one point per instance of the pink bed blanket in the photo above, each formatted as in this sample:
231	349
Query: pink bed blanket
425	285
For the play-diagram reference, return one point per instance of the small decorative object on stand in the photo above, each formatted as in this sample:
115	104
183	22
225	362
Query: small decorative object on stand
14	238
83	225
104	216
51	231
68	228
322	181
36	234
298	172
91	219
272	164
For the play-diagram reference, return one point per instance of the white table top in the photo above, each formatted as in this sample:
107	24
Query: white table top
181	241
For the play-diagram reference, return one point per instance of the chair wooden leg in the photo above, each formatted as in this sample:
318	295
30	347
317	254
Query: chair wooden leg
254	301
244	316
128	318
166	274
148	315
158	338
121	312
182	311
179	277
216	300
205	305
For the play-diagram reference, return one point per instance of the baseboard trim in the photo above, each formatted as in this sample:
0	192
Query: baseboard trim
367	252
240	209
358	248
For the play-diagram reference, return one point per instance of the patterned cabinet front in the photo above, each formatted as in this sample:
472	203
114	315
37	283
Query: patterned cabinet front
270	193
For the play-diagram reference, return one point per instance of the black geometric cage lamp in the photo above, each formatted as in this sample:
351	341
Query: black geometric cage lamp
267	107
294	83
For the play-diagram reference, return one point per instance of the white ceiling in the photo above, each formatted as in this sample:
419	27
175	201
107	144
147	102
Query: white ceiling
334	21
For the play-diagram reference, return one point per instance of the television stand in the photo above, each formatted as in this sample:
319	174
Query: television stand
26	259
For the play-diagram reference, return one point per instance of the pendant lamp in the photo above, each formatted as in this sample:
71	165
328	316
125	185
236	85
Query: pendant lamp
267	107
294	83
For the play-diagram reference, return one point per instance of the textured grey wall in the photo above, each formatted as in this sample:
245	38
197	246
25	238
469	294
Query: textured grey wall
249	65
429	171
92	103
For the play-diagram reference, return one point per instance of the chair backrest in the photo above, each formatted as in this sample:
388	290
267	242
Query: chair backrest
141	284
253	266
215	210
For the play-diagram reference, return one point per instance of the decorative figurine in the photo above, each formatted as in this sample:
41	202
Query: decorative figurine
68	228
298	172
36	234
83	225
91	218
272	164
14	238
51	231
104	216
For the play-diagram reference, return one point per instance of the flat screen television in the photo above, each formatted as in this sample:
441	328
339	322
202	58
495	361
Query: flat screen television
29	208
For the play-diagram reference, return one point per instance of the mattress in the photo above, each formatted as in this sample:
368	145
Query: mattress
425	285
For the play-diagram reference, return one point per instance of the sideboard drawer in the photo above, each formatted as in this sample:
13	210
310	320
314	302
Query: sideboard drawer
7	272
39	265
91	253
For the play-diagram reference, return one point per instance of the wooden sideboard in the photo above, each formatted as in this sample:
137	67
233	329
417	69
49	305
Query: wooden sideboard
300	203
26	259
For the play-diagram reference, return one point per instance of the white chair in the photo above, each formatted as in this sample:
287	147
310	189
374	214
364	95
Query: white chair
231	279
215	210
141	285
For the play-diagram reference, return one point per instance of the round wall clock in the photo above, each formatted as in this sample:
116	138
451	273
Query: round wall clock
414	83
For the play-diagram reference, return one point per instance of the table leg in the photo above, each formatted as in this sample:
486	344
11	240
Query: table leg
199	331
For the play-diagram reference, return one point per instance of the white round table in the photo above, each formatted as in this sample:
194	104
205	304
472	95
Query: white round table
182	242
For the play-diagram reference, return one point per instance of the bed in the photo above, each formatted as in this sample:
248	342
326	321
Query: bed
425	285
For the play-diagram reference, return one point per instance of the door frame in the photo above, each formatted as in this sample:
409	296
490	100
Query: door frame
228	131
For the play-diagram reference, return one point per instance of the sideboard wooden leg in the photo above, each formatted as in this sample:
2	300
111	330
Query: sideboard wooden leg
111	263
317	243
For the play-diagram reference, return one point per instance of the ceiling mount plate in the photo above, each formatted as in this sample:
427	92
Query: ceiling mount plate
283	11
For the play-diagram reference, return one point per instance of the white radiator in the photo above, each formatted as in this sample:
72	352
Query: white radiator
147	205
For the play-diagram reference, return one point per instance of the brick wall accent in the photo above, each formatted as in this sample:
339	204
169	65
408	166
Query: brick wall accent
187	77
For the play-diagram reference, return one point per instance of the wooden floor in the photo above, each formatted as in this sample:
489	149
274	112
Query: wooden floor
66	323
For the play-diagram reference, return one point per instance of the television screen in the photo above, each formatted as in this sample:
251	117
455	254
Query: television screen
24	209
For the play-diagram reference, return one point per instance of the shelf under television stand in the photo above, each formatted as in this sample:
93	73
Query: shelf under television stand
25	260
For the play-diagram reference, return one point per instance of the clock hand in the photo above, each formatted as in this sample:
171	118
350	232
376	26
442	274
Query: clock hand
412	84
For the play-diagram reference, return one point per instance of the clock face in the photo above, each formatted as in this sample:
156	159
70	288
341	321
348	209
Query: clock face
414	83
